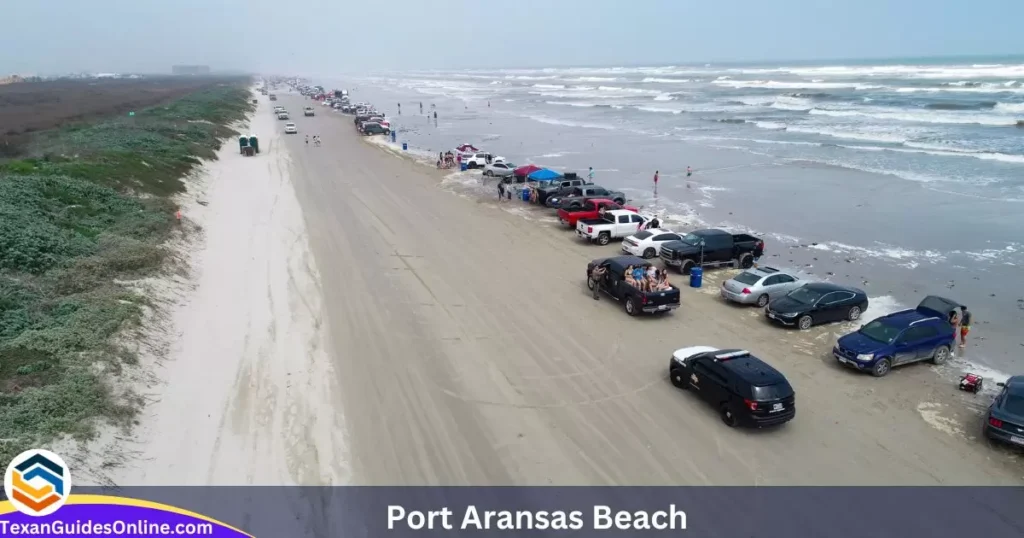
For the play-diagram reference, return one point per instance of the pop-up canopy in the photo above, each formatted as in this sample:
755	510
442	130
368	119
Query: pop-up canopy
544	174
526	170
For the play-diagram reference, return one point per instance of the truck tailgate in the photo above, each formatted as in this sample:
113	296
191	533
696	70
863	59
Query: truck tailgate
660	298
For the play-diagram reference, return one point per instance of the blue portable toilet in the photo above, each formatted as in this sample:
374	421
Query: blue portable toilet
394	136
696	277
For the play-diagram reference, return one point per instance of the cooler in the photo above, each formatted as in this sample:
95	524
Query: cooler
696	277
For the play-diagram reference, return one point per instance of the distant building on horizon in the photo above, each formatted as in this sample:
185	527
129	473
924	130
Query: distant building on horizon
190	70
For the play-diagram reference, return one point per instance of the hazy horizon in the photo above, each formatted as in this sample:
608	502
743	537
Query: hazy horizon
323	38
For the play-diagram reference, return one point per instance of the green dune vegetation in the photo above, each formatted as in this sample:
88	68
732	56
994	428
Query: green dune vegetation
86	209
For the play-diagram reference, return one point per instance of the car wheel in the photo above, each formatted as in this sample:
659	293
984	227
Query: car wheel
728	417
685	267
853	314
805	322
591	284
762	301
746	260
941	355
471	166
488	173
881	368
649	253
604	239
630	307
678	379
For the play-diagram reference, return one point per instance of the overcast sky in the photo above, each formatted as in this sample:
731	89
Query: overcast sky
326	37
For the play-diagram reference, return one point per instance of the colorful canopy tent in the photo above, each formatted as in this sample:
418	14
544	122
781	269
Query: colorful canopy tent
526	170
544	174
467	148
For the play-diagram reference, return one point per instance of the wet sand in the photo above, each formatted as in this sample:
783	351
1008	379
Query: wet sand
468	351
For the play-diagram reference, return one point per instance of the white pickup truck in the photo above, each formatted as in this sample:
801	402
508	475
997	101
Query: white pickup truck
614	224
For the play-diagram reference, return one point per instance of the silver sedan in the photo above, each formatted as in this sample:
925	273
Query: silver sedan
760	285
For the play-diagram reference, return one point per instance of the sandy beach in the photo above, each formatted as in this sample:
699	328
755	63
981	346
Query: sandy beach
467	351
350	320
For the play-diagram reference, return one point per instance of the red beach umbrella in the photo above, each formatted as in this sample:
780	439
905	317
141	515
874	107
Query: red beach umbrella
526	170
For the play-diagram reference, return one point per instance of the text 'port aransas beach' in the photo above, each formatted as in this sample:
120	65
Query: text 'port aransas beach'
402	268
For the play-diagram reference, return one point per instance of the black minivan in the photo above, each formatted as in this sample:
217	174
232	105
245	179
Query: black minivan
745	390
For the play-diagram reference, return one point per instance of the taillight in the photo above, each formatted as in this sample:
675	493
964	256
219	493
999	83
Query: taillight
590	229
760	245
993	421
746	291
752	405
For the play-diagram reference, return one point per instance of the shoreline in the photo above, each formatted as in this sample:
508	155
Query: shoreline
925	407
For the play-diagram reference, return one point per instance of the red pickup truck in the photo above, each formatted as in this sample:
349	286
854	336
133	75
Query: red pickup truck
589	210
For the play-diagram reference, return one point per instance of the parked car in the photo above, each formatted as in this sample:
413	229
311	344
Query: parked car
922	334
371	128
759	285
499	169
1005	420
273	97
587	192
647	243
746	390
591	209
480	160
614	224
289	128
816	303
712	248
559	188
632	298
282	115
308	111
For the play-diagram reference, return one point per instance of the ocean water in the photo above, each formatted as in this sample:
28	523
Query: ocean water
905	178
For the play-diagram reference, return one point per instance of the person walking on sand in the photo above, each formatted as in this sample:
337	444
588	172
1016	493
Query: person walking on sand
965	325
655	182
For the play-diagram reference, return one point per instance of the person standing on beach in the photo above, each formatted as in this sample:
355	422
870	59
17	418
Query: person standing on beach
501	190
590	175
596	274
307	140
399	109
965	325
421	107
655	182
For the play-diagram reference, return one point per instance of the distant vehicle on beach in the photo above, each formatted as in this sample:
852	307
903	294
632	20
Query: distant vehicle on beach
1005	419
581	194
634	300
372	128
282	115
273	97
613	224
499	169
560	188
817	303
308	111
591	209
647	243
712	248
480	160
290	128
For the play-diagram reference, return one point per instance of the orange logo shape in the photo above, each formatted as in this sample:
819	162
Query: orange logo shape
37	482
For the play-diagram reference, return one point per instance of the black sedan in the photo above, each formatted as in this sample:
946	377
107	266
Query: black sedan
1005	421
817	303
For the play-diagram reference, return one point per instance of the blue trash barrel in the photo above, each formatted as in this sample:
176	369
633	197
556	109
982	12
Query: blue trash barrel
526	195
696	277
394	136
405	146
464	166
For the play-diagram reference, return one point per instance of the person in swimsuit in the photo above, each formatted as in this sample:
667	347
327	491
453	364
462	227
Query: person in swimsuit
638	277
628	275
965	325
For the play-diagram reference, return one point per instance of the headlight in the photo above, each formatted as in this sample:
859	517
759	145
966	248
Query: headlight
788	315
865	356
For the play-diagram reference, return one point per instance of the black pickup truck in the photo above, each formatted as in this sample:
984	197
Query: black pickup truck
558	189
632	298
712	248
581	194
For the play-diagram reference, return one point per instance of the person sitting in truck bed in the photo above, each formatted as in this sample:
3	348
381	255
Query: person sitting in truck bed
628	276
661	281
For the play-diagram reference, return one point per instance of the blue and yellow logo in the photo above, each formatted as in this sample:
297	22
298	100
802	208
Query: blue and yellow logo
37	482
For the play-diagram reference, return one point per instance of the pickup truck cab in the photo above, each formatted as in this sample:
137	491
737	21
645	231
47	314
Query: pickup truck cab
586	192
922	334
614	224
308	111
634	300
712	248
559	188
591	209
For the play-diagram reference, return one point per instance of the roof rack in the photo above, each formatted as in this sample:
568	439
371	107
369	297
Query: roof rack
731	355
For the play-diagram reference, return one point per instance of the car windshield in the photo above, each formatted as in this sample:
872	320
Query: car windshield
690	238
747	278
1015	404
642	235
804	295
880	332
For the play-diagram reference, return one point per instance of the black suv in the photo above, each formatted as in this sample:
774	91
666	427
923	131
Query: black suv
745	389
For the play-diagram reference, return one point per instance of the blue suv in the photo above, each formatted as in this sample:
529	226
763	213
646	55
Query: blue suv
922	334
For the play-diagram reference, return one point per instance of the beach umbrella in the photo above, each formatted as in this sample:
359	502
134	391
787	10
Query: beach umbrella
544	174
526	170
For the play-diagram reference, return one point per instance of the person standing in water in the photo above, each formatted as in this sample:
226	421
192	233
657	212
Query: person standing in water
421	107
689	171
965	325
655	182
399	109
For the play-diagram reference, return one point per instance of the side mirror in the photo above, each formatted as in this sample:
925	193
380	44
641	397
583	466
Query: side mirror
1000	384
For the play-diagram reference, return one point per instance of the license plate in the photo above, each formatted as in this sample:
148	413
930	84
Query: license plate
777	407
663	307
1017	440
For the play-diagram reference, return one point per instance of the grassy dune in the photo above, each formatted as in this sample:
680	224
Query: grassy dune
83	209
